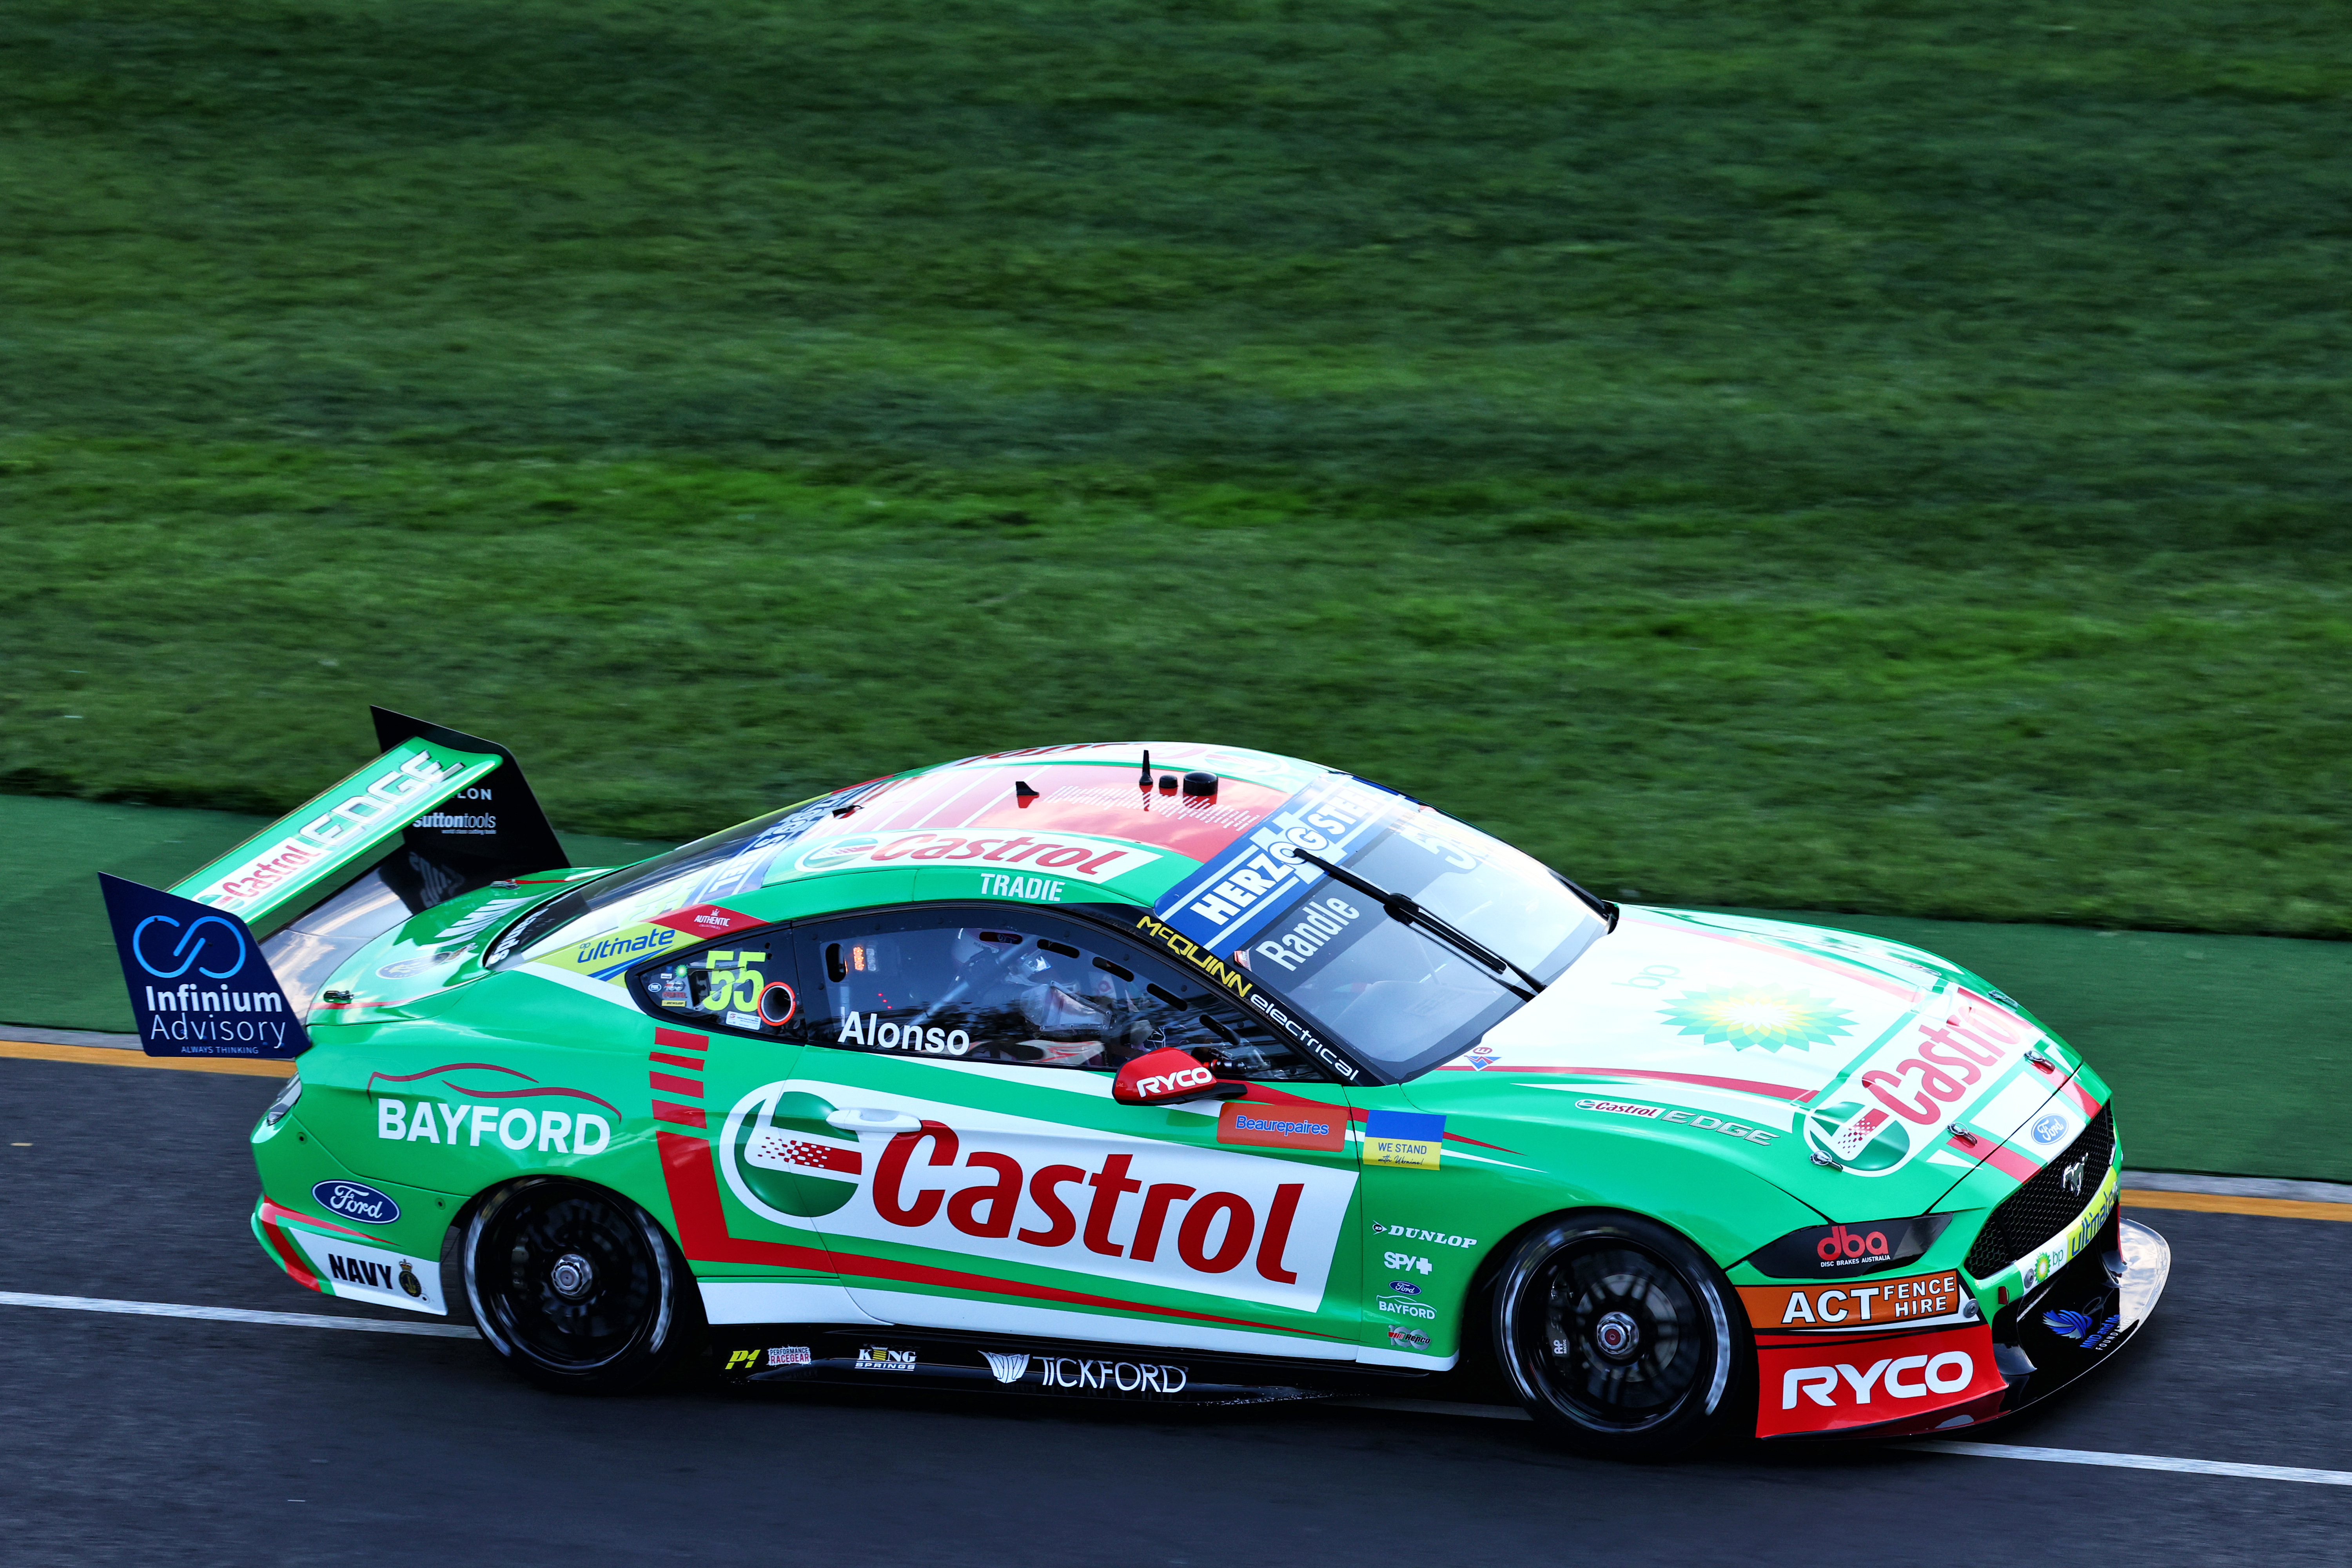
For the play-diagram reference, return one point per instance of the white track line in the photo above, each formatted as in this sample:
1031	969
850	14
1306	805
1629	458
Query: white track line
2141	1462
233	1315
1425	1406
1972	1450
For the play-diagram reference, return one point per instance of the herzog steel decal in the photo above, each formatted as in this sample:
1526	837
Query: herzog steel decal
1242	1226
1225	901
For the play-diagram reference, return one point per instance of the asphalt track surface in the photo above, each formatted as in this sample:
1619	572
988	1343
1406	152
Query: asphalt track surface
160	1441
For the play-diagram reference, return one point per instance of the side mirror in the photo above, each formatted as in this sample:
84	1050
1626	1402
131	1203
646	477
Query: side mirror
1170	1078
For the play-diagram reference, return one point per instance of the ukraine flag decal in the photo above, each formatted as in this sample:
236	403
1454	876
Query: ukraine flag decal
1405	1138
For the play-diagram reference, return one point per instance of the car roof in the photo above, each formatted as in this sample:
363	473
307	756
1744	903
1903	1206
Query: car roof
1074	811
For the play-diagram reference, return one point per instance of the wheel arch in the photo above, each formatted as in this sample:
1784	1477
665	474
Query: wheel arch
458	1237
1478	1315
1730	1405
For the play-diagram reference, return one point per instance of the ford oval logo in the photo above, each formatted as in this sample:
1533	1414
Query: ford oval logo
356	1200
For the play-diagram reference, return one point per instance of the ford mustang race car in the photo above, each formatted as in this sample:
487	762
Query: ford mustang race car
1161	1072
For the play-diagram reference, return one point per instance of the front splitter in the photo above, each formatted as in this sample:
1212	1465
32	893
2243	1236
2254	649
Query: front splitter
2067	1328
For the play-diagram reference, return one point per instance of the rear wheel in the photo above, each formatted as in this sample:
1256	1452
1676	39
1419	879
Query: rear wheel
1620	1337
579	1289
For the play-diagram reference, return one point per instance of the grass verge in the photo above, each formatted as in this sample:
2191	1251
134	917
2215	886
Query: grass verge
1866	459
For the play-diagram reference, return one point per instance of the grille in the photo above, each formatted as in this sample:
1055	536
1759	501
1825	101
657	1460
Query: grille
2043	1206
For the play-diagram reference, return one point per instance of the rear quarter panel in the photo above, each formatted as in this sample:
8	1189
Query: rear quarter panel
511	1076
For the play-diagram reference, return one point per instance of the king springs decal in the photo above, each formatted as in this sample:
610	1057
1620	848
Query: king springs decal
1205	1219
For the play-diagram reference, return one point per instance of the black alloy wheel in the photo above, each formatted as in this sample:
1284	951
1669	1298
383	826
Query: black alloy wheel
1620	1337
579	1289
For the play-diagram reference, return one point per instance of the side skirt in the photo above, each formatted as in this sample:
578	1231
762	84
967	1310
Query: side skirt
942	1360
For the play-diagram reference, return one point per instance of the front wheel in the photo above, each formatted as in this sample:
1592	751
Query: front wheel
1619	1336
578	1289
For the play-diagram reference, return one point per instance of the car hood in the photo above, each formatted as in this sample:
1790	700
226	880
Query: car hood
1894	1072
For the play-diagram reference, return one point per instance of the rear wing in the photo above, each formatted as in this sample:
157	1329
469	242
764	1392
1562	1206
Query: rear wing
440	813
345	827
496	830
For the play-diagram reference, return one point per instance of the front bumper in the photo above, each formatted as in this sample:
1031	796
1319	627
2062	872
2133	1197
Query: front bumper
2065	1327
2072	1322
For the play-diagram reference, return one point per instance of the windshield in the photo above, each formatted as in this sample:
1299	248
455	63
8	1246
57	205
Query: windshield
703	872
1399	994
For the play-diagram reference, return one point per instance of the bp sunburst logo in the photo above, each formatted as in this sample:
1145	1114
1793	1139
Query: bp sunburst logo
1773	1016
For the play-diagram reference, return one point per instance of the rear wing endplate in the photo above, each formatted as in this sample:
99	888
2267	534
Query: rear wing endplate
200	985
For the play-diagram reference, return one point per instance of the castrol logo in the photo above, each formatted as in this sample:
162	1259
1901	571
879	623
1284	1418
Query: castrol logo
1016	1189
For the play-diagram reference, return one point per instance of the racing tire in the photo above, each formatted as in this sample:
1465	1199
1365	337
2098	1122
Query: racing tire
576	1289
1621	1339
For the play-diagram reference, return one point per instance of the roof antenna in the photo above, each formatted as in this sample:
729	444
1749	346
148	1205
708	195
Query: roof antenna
1145	782
1022	794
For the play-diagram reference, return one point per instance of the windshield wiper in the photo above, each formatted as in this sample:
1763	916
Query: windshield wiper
1400	908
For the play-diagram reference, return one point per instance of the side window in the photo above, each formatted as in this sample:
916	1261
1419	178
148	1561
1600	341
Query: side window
1019	989
743	983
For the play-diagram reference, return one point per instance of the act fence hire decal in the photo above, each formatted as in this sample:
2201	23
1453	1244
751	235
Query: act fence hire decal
1894	1303
199	985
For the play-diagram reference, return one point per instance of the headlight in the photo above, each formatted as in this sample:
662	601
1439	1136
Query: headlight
1842	1251
284	1102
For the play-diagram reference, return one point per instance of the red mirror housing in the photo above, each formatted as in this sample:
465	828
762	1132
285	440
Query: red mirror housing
1166	1077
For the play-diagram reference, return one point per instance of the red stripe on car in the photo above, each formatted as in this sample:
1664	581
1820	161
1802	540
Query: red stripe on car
684	1115
294	1264
270	1211
449	1067
1744	1085
2009	1161
1846	969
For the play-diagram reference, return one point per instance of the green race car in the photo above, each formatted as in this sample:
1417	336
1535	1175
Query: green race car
1160	1072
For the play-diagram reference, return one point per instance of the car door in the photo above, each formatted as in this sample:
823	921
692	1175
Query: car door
723	1040
1005	1190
